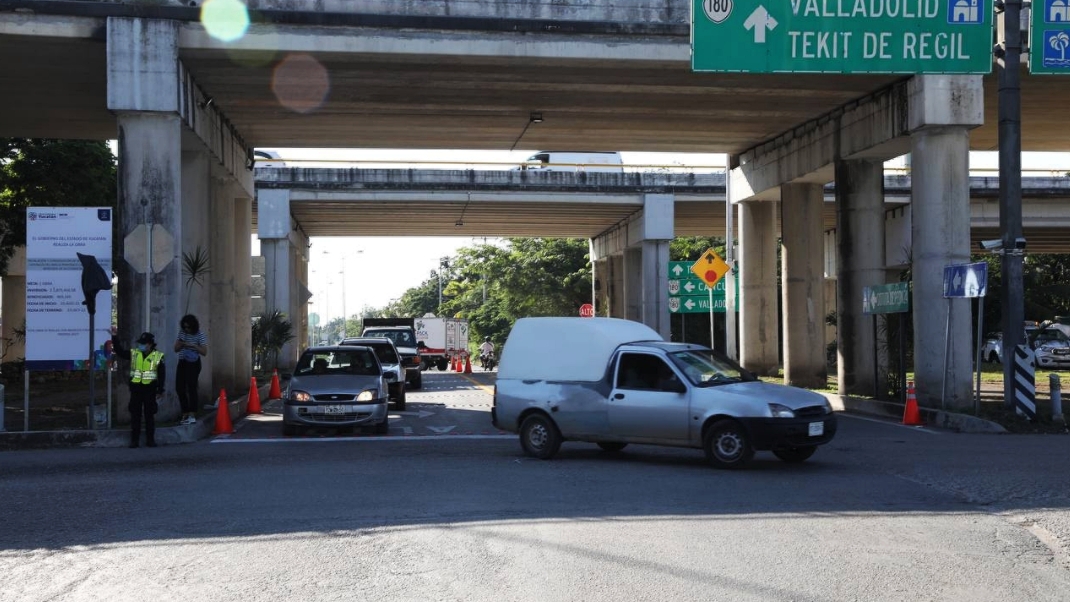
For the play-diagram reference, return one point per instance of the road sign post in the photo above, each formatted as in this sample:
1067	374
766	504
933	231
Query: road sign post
710	268
889	299
966	281
842	36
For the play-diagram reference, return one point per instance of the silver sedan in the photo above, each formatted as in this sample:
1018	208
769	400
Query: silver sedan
338	387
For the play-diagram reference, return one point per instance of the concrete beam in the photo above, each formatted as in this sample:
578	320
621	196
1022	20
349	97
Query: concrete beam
876	127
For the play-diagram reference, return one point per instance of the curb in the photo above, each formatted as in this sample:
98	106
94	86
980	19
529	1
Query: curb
170	435
961	423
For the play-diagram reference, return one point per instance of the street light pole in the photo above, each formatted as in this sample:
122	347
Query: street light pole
345	309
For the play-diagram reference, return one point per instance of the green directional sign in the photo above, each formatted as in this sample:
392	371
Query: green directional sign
696	304
693	286
886	298
842	36
1049	37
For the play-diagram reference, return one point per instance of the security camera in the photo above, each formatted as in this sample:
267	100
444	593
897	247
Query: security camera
992	245
1019	244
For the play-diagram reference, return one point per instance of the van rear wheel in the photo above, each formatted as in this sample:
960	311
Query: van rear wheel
539	437
727	444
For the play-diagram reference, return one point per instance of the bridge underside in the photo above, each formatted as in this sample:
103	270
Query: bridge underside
421	90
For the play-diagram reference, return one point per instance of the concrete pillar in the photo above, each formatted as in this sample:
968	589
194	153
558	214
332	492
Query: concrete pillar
600	286
655	286
196	295
243	233
940	229
616	286
633	284
274	228
142	63
803	294
860	263
942	110
224	300
759	340
13	347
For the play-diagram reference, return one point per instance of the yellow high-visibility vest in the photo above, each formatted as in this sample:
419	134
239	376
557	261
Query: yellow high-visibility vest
143	368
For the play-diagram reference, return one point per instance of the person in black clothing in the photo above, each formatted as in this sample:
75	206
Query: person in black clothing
147	374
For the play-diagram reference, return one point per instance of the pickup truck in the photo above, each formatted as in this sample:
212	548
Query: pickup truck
402	333
614	382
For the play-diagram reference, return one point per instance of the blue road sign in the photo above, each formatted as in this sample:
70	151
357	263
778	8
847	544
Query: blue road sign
966	280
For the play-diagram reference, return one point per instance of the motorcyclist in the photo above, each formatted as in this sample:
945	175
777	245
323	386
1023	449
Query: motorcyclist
486	351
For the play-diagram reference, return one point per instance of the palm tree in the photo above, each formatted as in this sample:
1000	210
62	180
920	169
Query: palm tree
1060	42
194	267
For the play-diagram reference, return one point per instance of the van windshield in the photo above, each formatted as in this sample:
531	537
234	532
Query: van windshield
706	368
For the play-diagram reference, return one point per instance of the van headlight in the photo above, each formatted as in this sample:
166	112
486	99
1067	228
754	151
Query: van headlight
366	395
780	411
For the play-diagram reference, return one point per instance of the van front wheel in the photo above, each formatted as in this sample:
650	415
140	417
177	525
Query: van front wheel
539	437
727	444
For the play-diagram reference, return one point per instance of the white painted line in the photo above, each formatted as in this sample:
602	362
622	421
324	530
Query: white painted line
368	439
919	429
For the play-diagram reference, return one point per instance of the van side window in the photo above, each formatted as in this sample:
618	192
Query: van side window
644	372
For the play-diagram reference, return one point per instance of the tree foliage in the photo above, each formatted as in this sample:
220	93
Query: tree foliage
50	173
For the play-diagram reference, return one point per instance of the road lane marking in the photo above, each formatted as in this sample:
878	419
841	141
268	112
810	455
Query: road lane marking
919	429
488	389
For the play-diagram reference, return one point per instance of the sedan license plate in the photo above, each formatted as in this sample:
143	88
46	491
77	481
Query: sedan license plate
339	410
817	429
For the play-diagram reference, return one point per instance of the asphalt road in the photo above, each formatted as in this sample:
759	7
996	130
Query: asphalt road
884	512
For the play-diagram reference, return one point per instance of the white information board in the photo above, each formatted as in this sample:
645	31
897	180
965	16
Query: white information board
57	322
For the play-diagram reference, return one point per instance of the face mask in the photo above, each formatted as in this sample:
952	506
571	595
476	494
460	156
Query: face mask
143	348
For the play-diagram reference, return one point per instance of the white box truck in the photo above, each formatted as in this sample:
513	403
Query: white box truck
441	337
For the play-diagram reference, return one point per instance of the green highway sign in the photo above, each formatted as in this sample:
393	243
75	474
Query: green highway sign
693	286
1049	37
696	304
843	36
886	298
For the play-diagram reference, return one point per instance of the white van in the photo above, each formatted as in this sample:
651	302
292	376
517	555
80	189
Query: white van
615	382
596	162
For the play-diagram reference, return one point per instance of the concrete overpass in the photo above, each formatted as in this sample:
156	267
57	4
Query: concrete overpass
187	110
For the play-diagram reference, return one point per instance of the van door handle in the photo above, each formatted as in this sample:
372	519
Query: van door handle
619	396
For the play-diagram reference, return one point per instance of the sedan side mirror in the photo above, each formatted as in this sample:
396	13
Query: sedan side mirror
390	377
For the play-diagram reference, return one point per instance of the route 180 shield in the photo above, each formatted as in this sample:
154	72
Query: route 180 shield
717	10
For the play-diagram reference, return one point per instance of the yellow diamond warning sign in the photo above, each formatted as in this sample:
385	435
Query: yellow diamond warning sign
710	268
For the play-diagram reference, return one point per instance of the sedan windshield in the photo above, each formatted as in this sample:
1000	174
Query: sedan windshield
706	368
356	361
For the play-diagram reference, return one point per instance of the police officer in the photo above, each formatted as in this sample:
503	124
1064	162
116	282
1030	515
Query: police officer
147	374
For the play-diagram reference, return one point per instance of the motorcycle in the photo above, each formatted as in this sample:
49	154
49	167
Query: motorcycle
488	361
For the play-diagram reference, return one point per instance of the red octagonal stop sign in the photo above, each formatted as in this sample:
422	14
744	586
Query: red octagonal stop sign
586	310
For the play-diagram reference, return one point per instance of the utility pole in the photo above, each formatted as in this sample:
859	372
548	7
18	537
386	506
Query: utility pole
1012	297
443	264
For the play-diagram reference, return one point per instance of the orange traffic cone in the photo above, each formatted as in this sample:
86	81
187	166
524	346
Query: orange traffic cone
254	398
467	365
911	414
222	416
276	390
457	364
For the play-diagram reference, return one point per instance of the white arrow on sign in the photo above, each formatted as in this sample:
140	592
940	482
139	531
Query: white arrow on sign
759	21
677	270
441	430
689	304
420	414
689	287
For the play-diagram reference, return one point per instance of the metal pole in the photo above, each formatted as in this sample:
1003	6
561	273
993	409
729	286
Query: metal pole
108	366
947	352
711	316
92	376
977	358
876	362
1012	295
345	310
26	400
148	266
902	358
1	407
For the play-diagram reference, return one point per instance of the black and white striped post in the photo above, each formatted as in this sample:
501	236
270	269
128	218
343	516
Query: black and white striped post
1025	387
